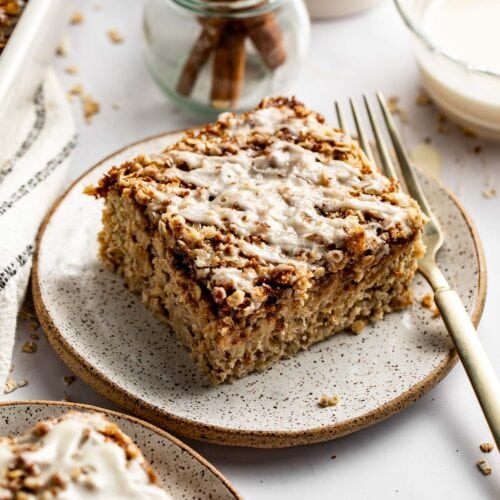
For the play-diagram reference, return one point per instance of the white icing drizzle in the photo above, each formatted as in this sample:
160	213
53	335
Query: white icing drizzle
240	279
285	197
74	443
268	121
284	206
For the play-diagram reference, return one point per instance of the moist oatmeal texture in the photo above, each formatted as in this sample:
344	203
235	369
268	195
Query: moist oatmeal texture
74	457
260	235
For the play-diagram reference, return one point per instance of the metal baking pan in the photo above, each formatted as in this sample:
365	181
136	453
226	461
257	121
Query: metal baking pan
28	52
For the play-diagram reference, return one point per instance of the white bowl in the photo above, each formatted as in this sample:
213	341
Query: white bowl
467	94
321	9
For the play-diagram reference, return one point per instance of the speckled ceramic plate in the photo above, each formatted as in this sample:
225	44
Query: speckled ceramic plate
181	471
111	341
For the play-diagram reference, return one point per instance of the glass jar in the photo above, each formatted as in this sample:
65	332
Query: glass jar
213	56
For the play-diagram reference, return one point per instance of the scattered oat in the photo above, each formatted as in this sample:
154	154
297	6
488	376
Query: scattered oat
11	385
442	127
358	326
467	132
427	301
115	36
489	193
486	447
90	107
76	90
392	103
76	18
69	379
116	106
63	48
395	108
325	401
423	99
29	347
97	6
72	69
484	467
66	398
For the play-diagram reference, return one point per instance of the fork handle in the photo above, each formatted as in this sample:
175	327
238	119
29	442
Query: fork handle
473	356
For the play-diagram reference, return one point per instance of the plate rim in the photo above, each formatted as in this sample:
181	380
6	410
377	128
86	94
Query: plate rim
233	436
71	405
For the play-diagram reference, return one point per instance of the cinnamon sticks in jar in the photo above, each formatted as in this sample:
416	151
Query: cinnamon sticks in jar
225	41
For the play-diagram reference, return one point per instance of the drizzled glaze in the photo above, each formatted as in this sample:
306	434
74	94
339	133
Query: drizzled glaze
286	198
272	192
88	461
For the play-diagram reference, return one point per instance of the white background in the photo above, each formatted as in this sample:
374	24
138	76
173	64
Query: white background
430	449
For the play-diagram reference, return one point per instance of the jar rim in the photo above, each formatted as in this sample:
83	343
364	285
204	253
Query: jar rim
229	8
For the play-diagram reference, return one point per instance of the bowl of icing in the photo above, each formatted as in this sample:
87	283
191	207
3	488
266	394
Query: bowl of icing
457	46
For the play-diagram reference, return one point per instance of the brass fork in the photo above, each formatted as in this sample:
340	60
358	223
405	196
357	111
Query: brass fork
457	321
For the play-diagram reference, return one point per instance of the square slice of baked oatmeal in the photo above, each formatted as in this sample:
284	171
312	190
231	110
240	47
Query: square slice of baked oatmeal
260	235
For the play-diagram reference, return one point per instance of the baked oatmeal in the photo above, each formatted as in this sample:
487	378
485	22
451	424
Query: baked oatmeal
10	12
259	235
75	456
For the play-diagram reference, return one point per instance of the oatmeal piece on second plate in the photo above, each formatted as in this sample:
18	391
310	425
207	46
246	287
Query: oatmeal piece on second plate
260	235
77	456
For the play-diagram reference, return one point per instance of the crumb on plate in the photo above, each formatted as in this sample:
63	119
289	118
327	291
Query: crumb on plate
427	301
326	401
489	193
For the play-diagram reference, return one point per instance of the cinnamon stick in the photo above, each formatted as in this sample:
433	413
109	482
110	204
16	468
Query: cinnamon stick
228	66
207	40
266	35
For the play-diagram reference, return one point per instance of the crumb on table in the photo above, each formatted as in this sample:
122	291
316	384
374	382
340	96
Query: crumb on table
76	18
63	48
90	107
69	379
489	193
358	326
395	108
423	99
71	69
484	467
11	385
326	401
486	447
115	36
29	347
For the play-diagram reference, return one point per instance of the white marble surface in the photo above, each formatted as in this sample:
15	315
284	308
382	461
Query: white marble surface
430	449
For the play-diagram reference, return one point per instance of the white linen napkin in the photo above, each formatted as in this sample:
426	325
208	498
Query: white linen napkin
35	150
